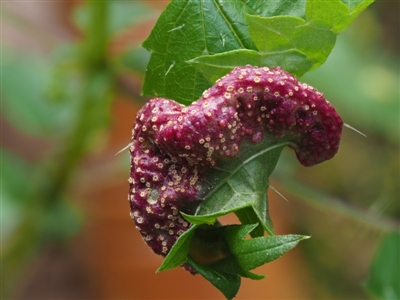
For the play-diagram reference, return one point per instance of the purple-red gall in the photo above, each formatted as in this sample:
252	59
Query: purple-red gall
175	146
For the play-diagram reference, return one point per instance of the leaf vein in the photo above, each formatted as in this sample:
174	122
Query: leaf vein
244	163
228	23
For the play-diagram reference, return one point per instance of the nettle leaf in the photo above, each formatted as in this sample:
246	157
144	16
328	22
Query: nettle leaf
215	66
230	265
334	15
296	44
244	255
192	28
179	252
227	283
224	274
256	252
239	185
292	34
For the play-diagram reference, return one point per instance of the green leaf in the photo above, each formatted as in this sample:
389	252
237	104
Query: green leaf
192	28
196	42
296	44
327	14
247	216
227	283
178	253
240	183
384	276
258	251
215	66
274	33
247	254
334	15
230	265
285	33
353	4
261	250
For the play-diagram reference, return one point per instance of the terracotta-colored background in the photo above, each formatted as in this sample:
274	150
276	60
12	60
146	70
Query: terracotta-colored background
109	260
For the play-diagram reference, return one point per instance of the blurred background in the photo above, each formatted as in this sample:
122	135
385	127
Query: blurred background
71	74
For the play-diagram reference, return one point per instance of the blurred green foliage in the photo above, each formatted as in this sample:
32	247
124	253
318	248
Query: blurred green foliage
40	115
121	15
360	186
384	278
65	97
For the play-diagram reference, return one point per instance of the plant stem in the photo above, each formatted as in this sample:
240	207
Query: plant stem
318	198
95	91
95	94
97	36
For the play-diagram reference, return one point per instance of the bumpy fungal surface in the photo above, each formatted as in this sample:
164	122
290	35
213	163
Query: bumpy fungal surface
174	146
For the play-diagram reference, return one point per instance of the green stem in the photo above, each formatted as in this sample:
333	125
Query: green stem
97	36
325	201
94	67
95	91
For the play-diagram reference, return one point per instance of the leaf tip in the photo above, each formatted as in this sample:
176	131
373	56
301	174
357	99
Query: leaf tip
161	268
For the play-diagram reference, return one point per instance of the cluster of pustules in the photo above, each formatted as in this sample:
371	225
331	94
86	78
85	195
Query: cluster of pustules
174	146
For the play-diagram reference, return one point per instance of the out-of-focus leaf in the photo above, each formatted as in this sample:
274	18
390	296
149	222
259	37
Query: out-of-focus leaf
16	191
23	86
11	216
384	275
135	59
121	15
16	178
26	99
59	222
